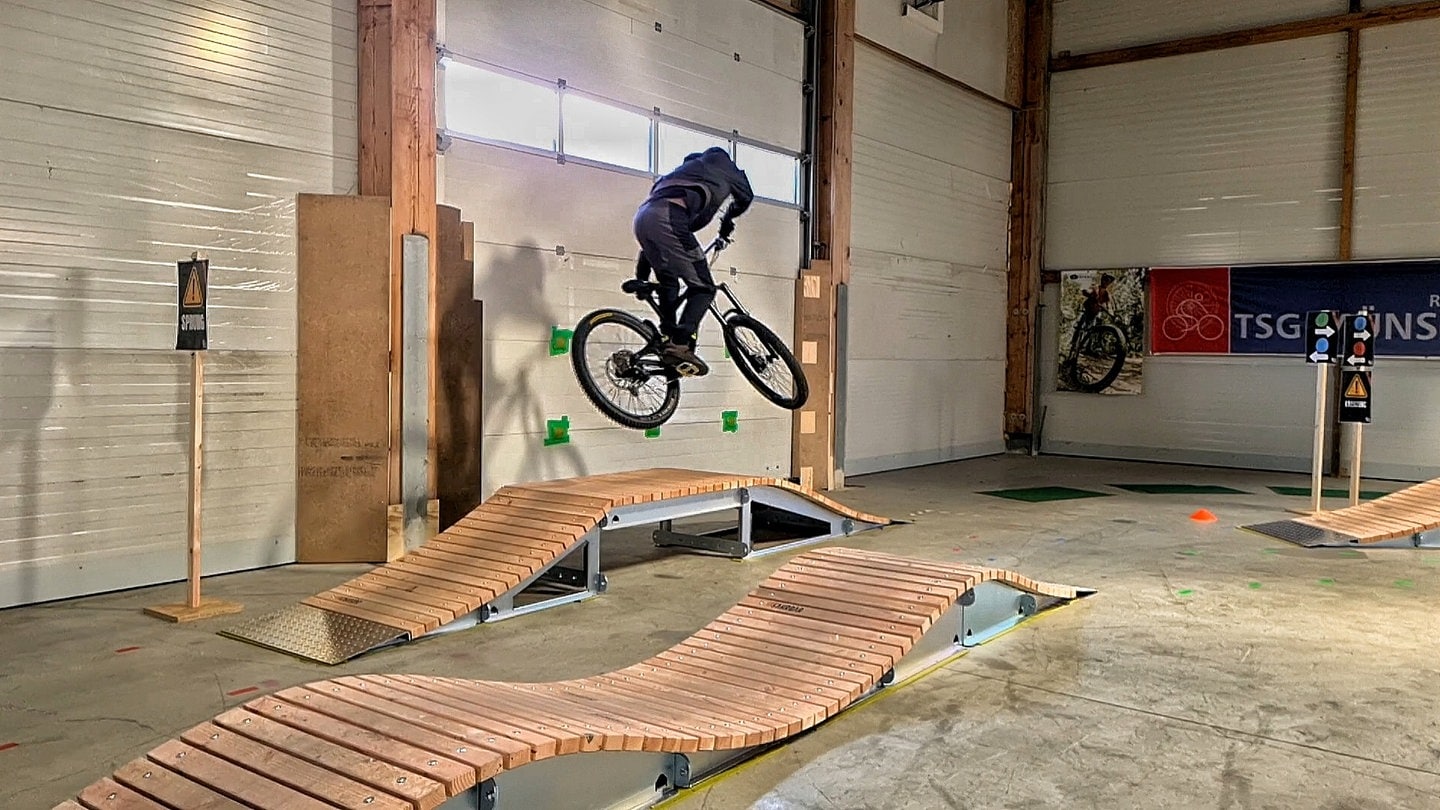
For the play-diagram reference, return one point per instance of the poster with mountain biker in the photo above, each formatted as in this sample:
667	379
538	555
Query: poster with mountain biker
1102	327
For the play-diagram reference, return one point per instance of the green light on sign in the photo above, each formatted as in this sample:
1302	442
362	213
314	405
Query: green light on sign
557	431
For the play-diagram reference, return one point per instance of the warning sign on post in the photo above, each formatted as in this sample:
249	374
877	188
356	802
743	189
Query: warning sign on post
191	335
1356	396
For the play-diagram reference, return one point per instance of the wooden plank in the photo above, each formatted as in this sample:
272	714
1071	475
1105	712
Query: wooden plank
170	788
1029	146
252	789
408	621
1278	32
383	700
292	771
420	766
540	746
342	289
459	408
591	515
107	794
493	556
558	522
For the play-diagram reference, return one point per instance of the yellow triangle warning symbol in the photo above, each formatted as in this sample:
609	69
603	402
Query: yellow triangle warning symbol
1357	389
194	296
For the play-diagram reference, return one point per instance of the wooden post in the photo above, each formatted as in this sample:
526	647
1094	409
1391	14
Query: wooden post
1347	166
374	97
813	438
1027	221
195	607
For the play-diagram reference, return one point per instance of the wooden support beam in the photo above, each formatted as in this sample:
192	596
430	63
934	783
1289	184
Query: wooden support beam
1027	221
412	189
374	97
1347	165
814	430
1279	32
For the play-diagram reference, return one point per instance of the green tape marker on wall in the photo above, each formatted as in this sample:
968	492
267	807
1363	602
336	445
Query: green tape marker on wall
730	421
560	340
652	433
557	431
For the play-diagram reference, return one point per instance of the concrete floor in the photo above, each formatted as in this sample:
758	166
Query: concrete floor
1213	669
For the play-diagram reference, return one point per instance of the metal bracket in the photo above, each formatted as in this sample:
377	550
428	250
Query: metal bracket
677	770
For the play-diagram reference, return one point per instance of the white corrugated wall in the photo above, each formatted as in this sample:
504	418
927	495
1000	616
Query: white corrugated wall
925	332
1233	157
1397	215
131	135
1215	158
525	206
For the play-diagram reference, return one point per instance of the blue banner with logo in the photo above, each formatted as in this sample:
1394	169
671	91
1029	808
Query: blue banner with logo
1268	304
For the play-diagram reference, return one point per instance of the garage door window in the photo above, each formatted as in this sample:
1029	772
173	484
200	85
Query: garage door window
603	133
773	175
498	107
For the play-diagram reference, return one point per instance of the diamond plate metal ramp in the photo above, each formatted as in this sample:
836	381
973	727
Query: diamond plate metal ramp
1409	517
826	631
534	546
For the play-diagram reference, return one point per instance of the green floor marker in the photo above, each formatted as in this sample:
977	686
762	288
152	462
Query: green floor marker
1269	551
1255	586
1180	489
730	421
1190	553
1350	553
652	433
1327	582
1405	583
560	340
1043	494
557	431
1185	592
1365	495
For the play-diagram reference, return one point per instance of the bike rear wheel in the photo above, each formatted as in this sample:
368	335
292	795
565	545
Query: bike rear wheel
1100	358
614	358
765	361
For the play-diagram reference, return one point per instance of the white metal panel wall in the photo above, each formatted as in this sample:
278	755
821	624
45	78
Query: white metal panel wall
688	68
925	344
131	135
1082	26
972	45
1397	142
1231	156
528	288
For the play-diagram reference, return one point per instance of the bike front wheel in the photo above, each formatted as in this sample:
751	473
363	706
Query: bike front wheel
1100	359
615	360
765	361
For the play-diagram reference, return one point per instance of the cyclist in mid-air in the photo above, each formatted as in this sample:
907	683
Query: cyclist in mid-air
680	204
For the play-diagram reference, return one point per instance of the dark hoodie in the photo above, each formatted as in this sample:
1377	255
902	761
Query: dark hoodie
703	181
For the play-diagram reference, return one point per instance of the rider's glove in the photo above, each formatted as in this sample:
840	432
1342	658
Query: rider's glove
727	227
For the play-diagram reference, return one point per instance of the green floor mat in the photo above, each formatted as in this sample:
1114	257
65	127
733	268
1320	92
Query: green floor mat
1180	489
1304	492
1041	494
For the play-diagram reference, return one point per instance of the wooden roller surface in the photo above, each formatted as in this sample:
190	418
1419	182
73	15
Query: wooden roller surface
1393	516
815	636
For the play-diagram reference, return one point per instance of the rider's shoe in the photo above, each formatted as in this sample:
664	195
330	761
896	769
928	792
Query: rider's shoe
683	360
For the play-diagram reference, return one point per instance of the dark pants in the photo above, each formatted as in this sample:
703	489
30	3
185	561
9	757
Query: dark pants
662	228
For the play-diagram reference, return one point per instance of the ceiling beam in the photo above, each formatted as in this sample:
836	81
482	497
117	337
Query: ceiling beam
1279	32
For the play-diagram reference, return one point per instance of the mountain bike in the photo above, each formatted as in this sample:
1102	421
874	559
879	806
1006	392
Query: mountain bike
616	357
1097	354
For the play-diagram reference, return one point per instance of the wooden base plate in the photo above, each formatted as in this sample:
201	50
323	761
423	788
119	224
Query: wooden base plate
208	609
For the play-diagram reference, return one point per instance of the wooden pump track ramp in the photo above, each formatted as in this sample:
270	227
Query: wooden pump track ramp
825	631
535	546
1408	518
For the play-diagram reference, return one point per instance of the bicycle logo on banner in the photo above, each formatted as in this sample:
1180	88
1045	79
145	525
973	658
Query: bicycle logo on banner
1193	310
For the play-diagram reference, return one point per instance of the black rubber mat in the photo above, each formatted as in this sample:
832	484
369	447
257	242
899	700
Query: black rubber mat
1302	534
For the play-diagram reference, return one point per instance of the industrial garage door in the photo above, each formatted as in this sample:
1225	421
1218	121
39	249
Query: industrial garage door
556	114
925	323
130	135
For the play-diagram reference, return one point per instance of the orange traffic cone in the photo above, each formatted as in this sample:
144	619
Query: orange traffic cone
1204	516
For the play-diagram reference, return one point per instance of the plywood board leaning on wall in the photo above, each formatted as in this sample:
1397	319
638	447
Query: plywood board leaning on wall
342	347
459	429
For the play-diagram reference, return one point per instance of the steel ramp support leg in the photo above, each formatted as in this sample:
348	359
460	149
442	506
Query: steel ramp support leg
589	582
737	548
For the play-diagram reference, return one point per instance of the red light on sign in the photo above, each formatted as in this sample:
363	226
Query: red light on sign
1359	348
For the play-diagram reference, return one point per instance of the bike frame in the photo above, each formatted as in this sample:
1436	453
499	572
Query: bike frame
714	250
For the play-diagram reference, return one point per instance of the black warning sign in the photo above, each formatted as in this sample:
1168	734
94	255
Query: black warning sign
191	334
1356	396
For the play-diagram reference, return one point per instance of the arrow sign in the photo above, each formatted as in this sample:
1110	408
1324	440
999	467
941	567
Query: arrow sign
1320	346
1358	339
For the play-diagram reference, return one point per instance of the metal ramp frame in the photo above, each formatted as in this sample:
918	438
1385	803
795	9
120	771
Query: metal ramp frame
827	631
532	547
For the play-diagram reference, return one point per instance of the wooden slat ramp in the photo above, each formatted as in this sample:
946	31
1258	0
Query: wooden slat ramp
1406	515
826	629
505	544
